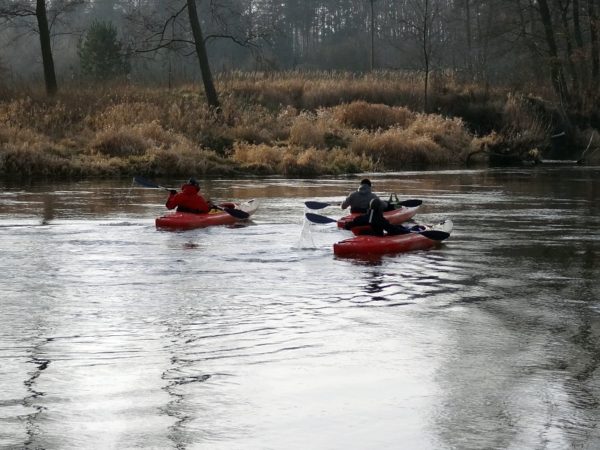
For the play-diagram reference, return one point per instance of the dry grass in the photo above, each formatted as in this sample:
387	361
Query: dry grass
318	130
361	114
526	115
428	141
286	123
117	115
293	160
323	89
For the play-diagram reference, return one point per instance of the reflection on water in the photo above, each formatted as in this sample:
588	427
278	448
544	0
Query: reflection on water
116	335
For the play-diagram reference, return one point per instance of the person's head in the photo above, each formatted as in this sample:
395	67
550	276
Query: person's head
193	182
375	204
365	181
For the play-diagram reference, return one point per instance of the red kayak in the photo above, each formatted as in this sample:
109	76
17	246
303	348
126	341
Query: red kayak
379	245
188	221
395	216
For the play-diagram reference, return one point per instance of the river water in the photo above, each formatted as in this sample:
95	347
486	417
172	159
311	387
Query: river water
116	335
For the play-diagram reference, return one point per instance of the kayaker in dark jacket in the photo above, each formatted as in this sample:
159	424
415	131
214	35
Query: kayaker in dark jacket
374	217
359	200
189	199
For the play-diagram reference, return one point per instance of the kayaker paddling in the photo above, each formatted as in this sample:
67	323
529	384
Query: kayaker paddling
422	239
189	213
189	199
378	223
359	200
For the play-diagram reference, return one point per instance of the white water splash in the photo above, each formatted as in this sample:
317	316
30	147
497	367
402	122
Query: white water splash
306	240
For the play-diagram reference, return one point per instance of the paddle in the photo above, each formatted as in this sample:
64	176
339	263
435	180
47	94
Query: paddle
318	218
435	235
237	213
320	205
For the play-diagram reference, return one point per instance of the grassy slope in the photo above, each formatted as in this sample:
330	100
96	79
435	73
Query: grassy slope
288	124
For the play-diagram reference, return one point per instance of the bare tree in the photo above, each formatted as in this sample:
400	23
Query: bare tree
468	37
420	23
17	13
372	30
594	45
209	86
225	20
556	68
48	60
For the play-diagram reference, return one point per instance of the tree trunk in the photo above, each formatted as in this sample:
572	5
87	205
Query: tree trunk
577	25
47	60
556	70
580	54
571	57
527	30
372	37
209	87
595	47
469	39
426	55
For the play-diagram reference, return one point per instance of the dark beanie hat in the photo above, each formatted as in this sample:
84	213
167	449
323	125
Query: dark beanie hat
365	181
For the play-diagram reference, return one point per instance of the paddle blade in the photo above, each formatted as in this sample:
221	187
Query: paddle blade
435	235
411	203
317	218
316	205
237	213
146	183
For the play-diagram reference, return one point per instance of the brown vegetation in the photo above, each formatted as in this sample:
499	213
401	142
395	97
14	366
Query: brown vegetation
427	141
288	124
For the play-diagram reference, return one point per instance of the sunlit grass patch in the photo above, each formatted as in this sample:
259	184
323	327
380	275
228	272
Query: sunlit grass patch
117	115
134	140
449	133
53	118
361	114
314	90
294	160
182	159
429	140
255	123
318	130
397	149
328	93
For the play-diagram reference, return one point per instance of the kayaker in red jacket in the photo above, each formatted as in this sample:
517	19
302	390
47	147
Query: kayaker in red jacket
189	199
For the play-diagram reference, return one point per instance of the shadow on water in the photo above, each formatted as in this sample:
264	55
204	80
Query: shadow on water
32	401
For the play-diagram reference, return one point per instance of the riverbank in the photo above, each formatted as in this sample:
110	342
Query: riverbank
286	124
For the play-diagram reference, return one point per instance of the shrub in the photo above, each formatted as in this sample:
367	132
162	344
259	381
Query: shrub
397	149
318	130
429	140
255	124
25	160
119	143
449	134
361	114
522	114
293	160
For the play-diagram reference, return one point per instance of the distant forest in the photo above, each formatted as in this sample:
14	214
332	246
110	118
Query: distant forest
522	44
